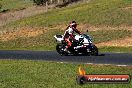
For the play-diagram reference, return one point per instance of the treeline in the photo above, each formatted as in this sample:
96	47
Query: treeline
43	2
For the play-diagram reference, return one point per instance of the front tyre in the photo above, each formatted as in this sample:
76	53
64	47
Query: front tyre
94	51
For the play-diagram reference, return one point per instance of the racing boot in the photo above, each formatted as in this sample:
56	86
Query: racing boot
66	49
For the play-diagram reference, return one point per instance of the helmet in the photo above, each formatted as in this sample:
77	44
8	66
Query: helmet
73	24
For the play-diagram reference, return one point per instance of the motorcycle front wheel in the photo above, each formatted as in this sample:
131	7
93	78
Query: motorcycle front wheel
94	51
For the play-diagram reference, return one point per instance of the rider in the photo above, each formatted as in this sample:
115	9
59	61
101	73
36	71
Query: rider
68	35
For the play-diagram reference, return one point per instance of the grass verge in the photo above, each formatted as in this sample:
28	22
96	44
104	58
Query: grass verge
97	12
116	49
15	4
46	41
40	74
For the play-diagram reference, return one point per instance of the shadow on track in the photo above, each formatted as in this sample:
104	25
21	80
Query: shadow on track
83	55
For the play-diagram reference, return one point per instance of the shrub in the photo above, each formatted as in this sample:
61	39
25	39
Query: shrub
0	6
40	2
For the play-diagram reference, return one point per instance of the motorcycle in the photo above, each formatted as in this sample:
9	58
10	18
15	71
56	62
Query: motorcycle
83	46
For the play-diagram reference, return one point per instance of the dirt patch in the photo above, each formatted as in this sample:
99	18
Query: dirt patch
22	32
127	42
127	8
85	27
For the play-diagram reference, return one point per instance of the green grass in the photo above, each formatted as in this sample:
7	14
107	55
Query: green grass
116	49
15	4
97	12
47	42
108	35
41	74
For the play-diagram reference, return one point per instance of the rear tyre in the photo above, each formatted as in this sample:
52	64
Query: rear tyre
60	50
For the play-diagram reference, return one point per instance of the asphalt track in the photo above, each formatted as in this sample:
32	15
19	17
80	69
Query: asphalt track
103	58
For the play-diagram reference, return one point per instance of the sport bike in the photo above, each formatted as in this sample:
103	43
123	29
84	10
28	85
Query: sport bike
82	46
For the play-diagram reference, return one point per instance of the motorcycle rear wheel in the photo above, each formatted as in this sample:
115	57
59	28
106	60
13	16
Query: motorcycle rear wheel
59	49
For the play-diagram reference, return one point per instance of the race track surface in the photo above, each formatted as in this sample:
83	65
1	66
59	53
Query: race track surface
103	58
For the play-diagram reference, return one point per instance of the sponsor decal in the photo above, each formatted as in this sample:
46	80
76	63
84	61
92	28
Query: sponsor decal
83	78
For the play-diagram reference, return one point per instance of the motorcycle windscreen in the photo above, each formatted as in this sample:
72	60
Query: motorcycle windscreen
87	41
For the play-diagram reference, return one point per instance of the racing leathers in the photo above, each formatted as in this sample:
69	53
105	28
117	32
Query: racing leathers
68	35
